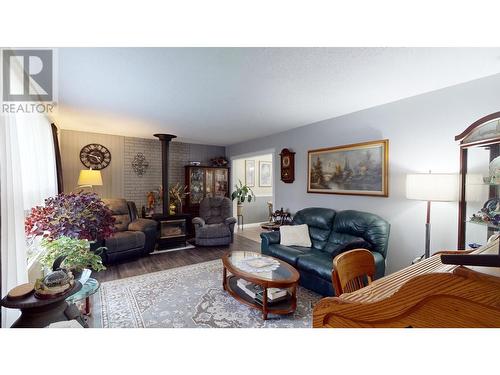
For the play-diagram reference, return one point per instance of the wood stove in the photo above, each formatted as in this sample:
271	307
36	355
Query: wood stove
173	230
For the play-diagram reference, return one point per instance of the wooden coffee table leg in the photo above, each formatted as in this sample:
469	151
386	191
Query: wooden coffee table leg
87	306
224	275
264	304
294	298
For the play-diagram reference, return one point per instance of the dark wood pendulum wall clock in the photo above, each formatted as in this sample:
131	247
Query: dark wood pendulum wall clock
287	165
95	156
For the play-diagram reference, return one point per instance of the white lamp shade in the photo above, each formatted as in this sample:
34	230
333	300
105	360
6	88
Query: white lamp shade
90	177
436	187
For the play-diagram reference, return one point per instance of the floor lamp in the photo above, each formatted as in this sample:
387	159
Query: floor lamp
431	187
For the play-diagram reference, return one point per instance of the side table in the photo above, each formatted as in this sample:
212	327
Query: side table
39	313
270	226
90	287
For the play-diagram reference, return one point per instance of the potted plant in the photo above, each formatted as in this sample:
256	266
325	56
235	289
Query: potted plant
242	193
71	224
72	254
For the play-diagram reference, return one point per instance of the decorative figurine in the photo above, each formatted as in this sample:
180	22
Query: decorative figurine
151	202
489	214
281	217
54	284
270	208
219	162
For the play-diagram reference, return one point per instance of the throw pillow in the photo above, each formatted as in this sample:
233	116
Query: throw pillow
295	235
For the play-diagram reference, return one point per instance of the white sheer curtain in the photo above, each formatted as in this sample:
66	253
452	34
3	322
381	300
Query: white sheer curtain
13	242
38	167
27	177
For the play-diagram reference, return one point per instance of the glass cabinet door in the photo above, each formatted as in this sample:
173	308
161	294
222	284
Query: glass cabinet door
481	193
196	190
221	182
209	183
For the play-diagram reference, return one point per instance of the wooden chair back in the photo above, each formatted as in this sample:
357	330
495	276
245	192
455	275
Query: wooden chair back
352	270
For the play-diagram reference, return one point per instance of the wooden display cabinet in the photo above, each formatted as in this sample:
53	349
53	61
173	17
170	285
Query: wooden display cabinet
204	182
479	181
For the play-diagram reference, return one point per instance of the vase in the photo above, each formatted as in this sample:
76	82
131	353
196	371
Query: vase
239	209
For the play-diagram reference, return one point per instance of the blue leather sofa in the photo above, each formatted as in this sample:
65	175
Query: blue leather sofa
331	232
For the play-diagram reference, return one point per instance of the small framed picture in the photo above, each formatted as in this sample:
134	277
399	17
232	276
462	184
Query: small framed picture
265	173
250	172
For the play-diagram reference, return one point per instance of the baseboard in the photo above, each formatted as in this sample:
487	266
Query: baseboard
251	225
173	249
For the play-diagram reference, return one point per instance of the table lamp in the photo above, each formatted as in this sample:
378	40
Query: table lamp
431	187
89	178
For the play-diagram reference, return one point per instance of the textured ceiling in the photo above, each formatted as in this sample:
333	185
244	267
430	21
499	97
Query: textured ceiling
227	95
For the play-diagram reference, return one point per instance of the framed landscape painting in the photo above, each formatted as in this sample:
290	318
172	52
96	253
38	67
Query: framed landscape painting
265	173
250	172
357	169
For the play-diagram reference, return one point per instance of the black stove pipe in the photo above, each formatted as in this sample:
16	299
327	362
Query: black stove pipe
165	144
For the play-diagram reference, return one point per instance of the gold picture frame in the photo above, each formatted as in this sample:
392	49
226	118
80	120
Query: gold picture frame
355	169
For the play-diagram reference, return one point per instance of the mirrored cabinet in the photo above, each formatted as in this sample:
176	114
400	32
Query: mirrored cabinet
479	204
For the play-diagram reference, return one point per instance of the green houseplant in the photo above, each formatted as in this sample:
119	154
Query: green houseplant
71	253
242	193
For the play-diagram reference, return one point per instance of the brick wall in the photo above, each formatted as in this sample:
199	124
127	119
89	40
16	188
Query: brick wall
135	187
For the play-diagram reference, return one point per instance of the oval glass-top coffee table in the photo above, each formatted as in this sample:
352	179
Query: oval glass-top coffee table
248	275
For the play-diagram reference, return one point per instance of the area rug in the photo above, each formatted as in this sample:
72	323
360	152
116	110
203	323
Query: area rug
191	297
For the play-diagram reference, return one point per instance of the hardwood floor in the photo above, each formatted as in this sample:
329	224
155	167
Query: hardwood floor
174	259
252	233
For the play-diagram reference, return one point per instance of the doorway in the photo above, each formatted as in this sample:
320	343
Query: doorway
257	172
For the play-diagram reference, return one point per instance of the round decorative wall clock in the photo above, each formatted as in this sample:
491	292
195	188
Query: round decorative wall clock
95	156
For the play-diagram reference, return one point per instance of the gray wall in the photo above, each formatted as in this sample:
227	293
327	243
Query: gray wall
71	142
119	179
421	134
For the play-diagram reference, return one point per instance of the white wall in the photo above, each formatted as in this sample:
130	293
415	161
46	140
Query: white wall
239	174
421	134
256	211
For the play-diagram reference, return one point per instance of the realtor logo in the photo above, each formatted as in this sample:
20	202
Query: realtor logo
27	75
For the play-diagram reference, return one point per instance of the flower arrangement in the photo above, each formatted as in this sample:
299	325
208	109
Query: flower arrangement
81	216
219	161
68	223
177	194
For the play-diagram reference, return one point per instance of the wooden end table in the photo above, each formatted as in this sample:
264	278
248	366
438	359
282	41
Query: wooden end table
39	313
285	276
270	226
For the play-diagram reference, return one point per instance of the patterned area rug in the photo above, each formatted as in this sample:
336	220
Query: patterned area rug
190	296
